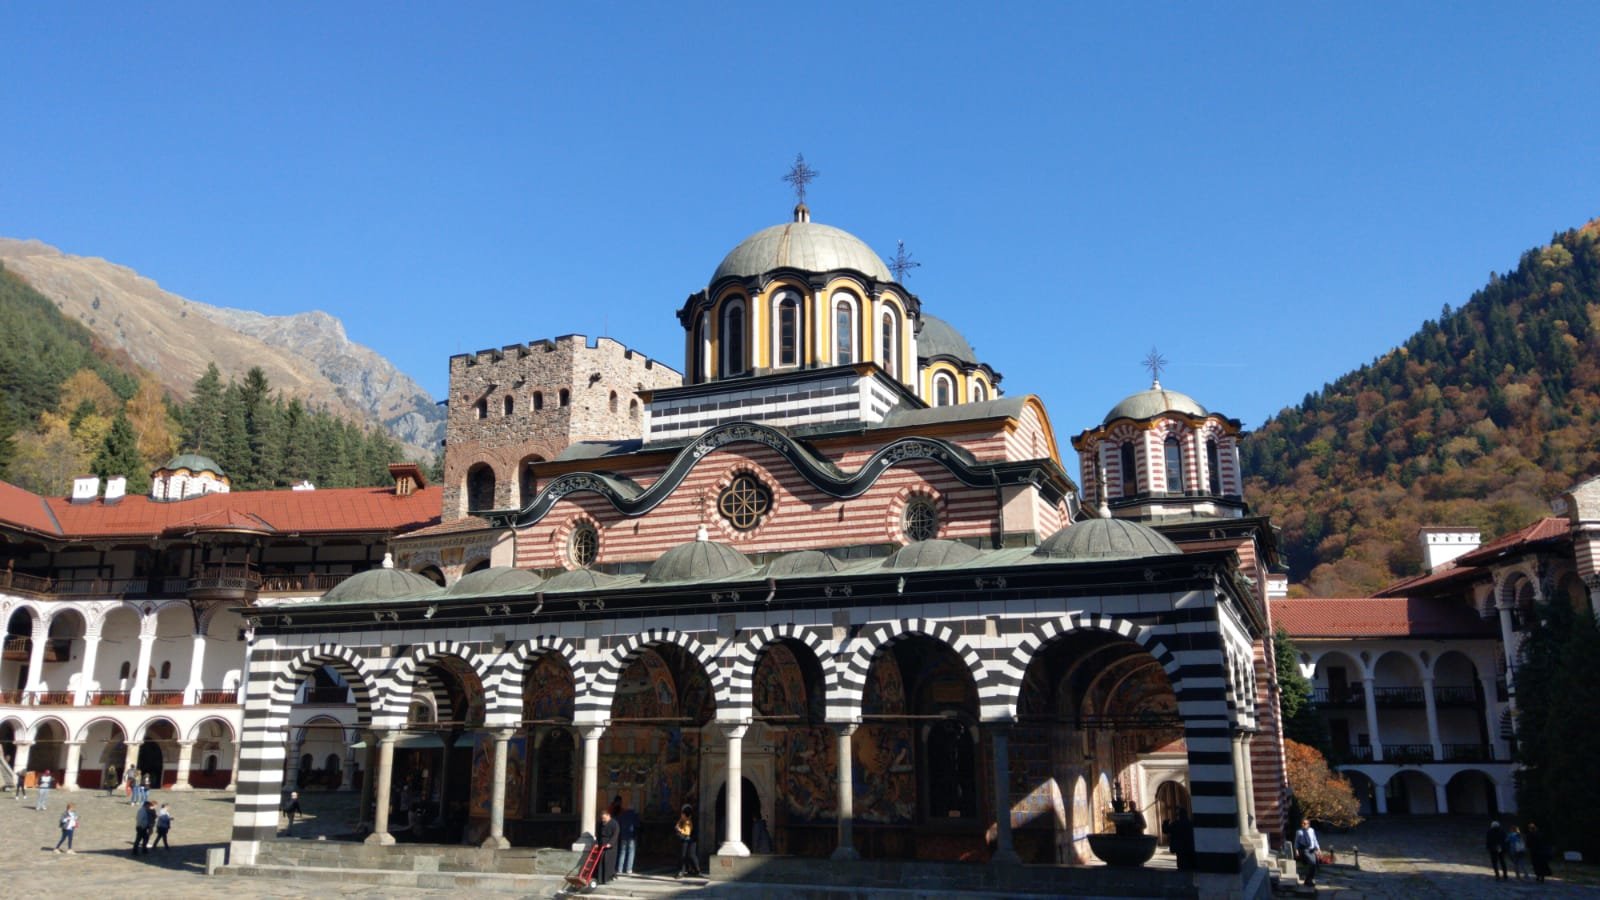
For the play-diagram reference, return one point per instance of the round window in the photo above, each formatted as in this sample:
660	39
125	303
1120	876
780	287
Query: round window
583	546
744	502
921	520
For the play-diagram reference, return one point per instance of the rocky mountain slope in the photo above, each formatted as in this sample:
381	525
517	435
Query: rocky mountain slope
306	355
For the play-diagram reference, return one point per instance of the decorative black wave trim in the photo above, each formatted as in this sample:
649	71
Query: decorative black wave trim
629	500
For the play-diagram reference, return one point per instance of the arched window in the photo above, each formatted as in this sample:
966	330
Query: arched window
1213	467
786	321
125	671
844	329
538	400
944	389
889	344
613	401
554	790
980	391
482	408
1174	454
166	669
480	488
527	480
633	410
1130	470
510	405
703	345
565	397
733	361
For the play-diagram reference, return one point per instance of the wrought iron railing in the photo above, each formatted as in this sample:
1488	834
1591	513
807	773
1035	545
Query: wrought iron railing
163	698
1455	696
1408	753
1398	696
13	698
304	582
1468	753
1347	696
1354	754
108	698
27	584
211	698
52	698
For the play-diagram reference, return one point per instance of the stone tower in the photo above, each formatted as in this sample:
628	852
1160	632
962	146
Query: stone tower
521	405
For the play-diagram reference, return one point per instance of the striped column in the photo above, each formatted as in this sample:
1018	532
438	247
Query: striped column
259	779
1203	705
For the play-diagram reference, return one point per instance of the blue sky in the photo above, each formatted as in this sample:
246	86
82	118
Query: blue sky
1272	194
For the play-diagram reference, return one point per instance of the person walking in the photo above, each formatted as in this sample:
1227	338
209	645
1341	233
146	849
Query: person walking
69	825
163	825
1495	842
144	787
130	786
292	809
109	779
688	831
46	782
1180	839
628	833
609	835
1538	852
22	785
1306	849
1518	851
143	820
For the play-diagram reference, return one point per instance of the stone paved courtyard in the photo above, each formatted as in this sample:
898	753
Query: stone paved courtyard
1400	858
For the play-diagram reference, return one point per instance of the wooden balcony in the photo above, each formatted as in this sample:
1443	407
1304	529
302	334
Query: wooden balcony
19	647
225	583
301	583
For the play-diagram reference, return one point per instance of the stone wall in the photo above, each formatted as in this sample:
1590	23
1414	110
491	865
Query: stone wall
559	391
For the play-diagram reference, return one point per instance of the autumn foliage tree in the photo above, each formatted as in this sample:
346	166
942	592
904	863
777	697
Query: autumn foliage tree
1321	794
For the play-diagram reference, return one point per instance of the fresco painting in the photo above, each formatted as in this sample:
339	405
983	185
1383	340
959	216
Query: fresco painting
483	776
548	691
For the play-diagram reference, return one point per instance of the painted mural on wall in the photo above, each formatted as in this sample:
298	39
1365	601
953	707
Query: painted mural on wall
882	767
655	768
483	777
547	691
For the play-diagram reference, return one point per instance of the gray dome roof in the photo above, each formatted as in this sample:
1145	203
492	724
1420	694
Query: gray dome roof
1106	539
194	462
801	245
579	580
1152	403
382	584
801	562
937	338
495	581
696	560
931	554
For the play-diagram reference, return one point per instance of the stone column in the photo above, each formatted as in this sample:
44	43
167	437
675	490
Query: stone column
20	763
1380	797
233	773
185	763
1432	705
69	778
733	844
1000	733
1491	727
197	659
1240	793
1372	719
41	634
380	817
1508	644
588	801
91	651
141	672
369	779
846	848
1441	797
497	798
1249	785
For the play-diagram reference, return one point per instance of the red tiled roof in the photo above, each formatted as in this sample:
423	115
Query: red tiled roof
1445	574
465	523
1323	617
329	511
25	509
1548	528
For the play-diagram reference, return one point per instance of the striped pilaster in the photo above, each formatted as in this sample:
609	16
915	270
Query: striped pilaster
742	671
594	704
503	688
1208	734
853	674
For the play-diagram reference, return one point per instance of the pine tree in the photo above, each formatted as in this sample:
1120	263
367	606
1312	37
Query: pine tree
232	445
202	425
119	455
8	443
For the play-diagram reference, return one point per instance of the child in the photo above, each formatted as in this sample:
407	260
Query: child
1518	850
69	825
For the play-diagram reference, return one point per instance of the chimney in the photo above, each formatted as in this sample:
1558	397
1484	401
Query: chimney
1441	545
1277	587
303	484
84	489
116	487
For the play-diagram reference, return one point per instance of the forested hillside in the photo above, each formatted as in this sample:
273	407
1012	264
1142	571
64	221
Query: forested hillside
69	406
1479	419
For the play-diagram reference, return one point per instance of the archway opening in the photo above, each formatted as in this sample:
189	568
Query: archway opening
789	706
18	652
1472	792
433	763
157	752
480	488
104	757
1410	792
544	760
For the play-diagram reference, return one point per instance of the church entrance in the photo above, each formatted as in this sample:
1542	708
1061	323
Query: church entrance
749	810
433	763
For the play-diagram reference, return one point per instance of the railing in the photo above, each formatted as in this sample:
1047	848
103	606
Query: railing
1455	696
1398	696
17	647
1468	753
14	698
1348	696
163	698
52	698
109	698
225	578
1355	754
305	582
212	698
1408	753
28	584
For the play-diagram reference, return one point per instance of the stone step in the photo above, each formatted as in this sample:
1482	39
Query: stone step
478	882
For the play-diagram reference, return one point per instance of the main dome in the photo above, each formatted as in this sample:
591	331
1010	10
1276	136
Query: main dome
804	245
1154	402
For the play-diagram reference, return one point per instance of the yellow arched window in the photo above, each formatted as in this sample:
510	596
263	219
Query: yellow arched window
889	349
944	389
733	343
844	329
786	324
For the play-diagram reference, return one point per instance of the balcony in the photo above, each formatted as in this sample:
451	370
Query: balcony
216	698
163	698
1468	753
1455	696
1407	753
1399	696
1359	754
19	648
1338	697
225	583
52	698
302	583
24	584
109	698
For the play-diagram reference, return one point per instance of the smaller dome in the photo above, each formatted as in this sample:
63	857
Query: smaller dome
578	580
494	582
931	555
697	560
1106	539
376	585
804	245
801	562
938	338
194	462
1152	403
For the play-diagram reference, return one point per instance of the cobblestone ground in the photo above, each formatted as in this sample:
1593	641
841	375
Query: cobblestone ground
1422	858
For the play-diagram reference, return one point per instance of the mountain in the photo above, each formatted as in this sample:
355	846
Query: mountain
306	355
1477	419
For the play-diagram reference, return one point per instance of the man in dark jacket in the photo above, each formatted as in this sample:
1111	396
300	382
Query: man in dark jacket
144	819
1495	843
610	835
1180	839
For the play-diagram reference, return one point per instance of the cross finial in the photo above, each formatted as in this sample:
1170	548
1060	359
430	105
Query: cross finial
799	176
1155	362
903	263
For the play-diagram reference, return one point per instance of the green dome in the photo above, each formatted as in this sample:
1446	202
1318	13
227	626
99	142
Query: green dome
1152	403
1106	539
495	582
376	585
801	562
194	462
579	580
698	560
938	338
931	555
807	246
